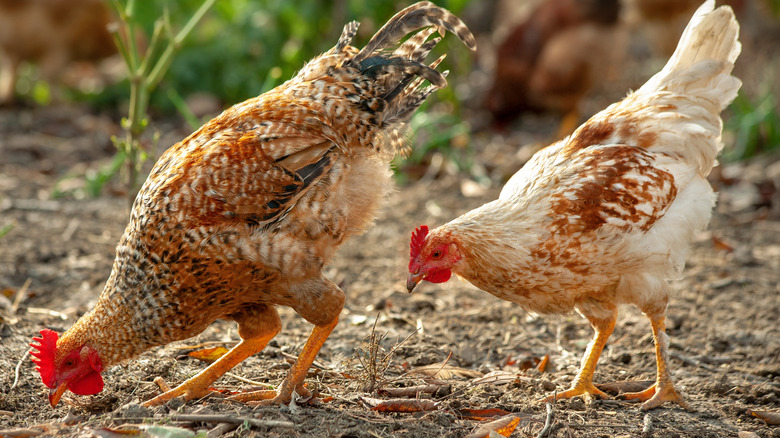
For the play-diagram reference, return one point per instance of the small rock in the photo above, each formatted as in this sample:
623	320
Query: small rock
176	403
134	410
577	405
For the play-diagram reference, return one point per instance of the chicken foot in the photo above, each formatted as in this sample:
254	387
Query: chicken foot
583	383
294	380
663	388
319	301
255	335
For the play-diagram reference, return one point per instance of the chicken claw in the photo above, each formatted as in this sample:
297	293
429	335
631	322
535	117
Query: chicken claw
653	398
663	388
197	386
294	380
580	388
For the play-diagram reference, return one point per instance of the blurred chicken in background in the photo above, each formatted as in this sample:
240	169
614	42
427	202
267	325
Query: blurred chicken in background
552	58
660	22
51	34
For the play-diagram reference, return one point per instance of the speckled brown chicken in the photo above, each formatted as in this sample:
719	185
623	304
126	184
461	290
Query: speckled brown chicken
604	217
243	214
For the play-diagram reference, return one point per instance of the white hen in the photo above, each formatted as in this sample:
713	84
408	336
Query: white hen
605	216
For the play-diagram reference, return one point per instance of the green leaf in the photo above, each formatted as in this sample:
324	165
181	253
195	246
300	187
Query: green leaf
6	229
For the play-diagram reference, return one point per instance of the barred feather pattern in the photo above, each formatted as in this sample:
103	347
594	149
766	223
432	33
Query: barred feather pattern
245	212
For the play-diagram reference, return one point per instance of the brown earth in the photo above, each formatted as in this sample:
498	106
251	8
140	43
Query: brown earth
725	341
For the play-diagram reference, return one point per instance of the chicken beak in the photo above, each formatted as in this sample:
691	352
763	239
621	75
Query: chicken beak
56	393
412	281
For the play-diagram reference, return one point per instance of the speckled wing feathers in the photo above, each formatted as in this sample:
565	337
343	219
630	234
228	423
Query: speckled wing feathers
244	213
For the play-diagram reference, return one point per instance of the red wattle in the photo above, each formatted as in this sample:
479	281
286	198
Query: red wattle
91	384
439	276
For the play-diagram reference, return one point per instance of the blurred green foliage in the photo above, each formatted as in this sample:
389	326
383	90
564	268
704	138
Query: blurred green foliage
5	229
243	48
755	125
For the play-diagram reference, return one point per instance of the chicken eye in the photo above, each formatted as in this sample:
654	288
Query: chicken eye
436	254
69	363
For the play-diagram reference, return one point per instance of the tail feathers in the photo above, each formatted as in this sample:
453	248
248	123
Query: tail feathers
397	76
414	17
689	93
704	57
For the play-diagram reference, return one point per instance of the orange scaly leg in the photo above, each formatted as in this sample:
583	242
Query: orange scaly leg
294	380
198	386
583	383
663	388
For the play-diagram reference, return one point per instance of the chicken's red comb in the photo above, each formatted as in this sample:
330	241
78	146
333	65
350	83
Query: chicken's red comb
418	240
43	355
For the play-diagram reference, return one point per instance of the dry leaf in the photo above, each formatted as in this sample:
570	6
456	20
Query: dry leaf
542	366
625	386
438	389
503	426
500	378
400	404
440	371
771	417
480	414
746	434
721	244
209	354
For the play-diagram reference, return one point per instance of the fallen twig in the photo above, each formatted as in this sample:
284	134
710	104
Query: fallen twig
647	428
547	422
213	418
20	294
400	404
18	367
160	382
49	312
692	361
413	391
249	381
70	229
221	429
20	432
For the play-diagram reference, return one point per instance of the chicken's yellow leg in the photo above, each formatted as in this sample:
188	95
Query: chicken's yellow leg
198	386
256	325
663	388
583	383
294	380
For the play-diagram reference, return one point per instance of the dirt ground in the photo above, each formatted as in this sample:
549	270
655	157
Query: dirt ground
725	341
476	351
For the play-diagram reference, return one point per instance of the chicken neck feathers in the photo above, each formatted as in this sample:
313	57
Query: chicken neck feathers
251	206
609	210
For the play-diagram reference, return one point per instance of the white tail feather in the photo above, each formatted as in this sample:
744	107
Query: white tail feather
696	85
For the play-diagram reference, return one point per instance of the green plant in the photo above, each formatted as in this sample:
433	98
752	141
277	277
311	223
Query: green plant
755	124
243	48
436	132
144	73
5	229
